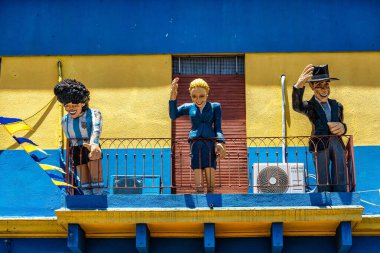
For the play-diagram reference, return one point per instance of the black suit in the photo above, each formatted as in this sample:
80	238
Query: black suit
325	148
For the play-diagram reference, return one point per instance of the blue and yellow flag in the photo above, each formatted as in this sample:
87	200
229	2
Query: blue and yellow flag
62	184
13	125
21	140
31	148
17	126
47	167
5	120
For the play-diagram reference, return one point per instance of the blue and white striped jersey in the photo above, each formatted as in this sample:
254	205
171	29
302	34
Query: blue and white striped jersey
86	128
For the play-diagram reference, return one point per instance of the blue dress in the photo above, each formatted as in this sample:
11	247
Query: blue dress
205	124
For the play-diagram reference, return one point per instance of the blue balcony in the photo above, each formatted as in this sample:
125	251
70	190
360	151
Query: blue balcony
150	195
251	165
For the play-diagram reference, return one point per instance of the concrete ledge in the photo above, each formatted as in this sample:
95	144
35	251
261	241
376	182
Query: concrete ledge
31	227
234	215
229	222
191	201
369	225
207	215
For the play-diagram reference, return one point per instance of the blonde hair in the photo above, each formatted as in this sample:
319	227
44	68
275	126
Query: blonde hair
199	83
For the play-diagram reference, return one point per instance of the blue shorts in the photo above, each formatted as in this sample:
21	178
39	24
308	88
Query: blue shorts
202	154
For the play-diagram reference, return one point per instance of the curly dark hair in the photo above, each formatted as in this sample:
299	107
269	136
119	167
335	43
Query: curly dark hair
72	91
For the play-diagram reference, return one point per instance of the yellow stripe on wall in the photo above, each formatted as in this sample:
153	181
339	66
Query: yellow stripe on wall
132	92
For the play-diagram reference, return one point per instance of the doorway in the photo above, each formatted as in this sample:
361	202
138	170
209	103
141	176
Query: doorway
225	76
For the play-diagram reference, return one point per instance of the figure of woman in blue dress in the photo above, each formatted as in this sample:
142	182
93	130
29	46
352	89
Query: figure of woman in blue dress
206	136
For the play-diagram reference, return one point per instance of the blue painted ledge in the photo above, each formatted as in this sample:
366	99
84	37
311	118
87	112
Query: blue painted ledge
92	202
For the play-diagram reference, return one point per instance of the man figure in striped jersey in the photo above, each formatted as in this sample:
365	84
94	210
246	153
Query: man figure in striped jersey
83	127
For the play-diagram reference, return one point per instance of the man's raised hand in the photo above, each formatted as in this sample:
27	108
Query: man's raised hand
305	76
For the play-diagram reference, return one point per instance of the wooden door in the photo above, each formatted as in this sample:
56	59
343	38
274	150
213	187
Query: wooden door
231	173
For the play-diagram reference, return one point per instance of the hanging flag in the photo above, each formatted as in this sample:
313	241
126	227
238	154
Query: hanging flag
17	126
54	176
35	152
5	120
47	167
13	125
62	184
30	148
21	140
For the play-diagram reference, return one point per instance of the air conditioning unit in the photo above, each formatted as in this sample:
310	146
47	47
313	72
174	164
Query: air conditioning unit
278	178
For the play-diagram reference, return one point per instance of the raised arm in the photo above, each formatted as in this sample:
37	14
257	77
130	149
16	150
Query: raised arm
174	89
305	76
174	111
298	89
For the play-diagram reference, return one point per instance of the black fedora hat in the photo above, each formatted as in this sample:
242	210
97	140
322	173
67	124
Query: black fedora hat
321	73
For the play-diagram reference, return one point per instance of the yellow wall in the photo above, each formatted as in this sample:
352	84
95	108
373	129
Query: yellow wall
131	91
357	90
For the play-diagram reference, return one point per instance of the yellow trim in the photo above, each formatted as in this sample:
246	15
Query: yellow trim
185	223
31	228
188	223
202	215
370	225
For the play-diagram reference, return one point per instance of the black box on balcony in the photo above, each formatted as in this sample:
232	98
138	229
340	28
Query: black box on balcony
131	184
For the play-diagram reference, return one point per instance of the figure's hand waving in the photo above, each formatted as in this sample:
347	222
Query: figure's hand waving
174	89
336	128
305	76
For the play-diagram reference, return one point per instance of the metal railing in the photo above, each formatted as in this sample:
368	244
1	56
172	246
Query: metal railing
251	165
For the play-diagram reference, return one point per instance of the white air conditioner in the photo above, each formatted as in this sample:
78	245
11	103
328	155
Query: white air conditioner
278	178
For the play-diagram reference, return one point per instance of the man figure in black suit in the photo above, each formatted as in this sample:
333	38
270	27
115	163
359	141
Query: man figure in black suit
326	117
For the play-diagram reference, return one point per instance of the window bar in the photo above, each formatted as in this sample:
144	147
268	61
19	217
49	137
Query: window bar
179	65
236	65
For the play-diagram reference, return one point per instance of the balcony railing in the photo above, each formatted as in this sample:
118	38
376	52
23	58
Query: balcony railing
251	165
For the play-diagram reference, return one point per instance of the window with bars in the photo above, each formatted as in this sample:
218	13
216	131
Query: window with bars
208	65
